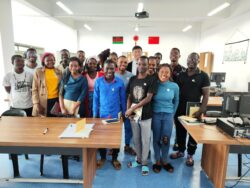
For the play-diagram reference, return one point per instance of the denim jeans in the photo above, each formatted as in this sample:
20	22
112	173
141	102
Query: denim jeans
162	124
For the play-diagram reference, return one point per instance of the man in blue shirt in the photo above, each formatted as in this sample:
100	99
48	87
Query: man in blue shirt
109	99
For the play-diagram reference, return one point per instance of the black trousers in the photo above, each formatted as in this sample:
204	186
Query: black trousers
103	153
50	104
181	134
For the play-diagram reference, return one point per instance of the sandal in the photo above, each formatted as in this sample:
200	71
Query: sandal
100	163
116	164
144	170
168	167
129	150
177	155
133	164
156	168
190	161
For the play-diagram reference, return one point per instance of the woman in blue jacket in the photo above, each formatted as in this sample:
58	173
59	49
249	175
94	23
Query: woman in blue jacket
73	89
165	103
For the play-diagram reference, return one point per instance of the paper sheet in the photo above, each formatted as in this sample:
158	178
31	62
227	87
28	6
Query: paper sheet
70	131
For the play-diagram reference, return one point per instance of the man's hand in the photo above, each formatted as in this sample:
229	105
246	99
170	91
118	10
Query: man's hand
40	109
197	114
129	112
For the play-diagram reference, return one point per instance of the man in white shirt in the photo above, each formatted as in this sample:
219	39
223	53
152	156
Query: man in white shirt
18	84
132	66
30	61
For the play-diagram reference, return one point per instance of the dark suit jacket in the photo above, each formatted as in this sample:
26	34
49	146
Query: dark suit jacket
129	67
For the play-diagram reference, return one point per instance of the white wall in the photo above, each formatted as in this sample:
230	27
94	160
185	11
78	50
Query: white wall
37	29
94	42
214	39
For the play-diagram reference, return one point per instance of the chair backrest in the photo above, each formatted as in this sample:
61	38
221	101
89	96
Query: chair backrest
14	112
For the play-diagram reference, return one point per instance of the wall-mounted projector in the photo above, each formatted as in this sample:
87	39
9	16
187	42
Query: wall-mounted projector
143	14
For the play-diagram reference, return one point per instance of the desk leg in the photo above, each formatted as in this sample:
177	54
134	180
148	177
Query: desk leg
214	162
89	166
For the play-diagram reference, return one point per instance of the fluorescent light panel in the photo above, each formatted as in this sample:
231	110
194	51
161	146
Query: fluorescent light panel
187	28
140	7
218	9
62	6
136	28
87	27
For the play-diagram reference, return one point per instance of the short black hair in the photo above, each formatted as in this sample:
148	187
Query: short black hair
114	53
75	59
108	62
176	49
144	57
122	56
29	49
136	47
158	53
15	57
80	51
151	57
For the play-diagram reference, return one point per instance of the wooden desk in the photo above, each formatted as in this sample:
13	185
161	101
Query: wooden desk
25	135
215	150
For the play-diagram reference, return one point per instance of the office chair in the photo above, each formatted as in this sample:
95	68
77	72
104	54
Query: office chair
14	157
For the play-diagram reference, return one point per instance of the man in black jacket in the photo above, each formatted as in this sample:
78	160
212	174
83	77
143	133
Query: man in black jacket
132	66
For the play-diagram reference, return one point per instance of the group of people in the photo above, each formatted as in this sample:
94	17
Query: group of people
148	94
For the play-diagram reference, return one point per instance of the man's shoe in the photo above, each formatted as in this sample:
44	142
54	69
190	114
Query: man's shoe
100	163
177	155
190	161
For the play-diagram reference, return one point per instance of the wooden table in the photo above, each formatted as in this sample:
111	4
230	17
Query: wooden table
25	135
215	150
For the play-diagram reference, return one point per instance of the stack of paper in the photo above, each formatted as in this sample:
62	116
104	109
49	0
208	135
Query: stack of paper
137	113
72	132
188	119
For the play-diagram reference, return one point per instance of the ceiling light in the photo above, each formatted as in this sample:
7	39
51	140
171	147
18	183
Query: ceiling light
62	6
140	7
187	28
136	28
218	9
87	27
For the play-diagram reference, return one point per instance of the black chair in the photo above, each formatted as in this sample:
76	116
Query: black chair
14	157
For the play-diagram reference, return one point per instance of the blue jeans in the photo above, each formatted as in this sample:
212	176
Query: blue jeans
128	131
162	124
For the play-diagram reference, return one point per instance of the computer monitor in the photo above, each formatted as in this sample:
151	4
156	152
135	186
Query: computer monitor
244	105
233	103
230	103
218	77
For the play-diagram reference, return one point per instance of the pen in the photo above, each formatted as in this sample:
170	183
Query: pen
45	131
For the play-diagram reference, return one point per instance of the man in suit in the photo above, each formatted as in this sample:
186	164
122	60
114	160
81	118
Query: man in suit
136	52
